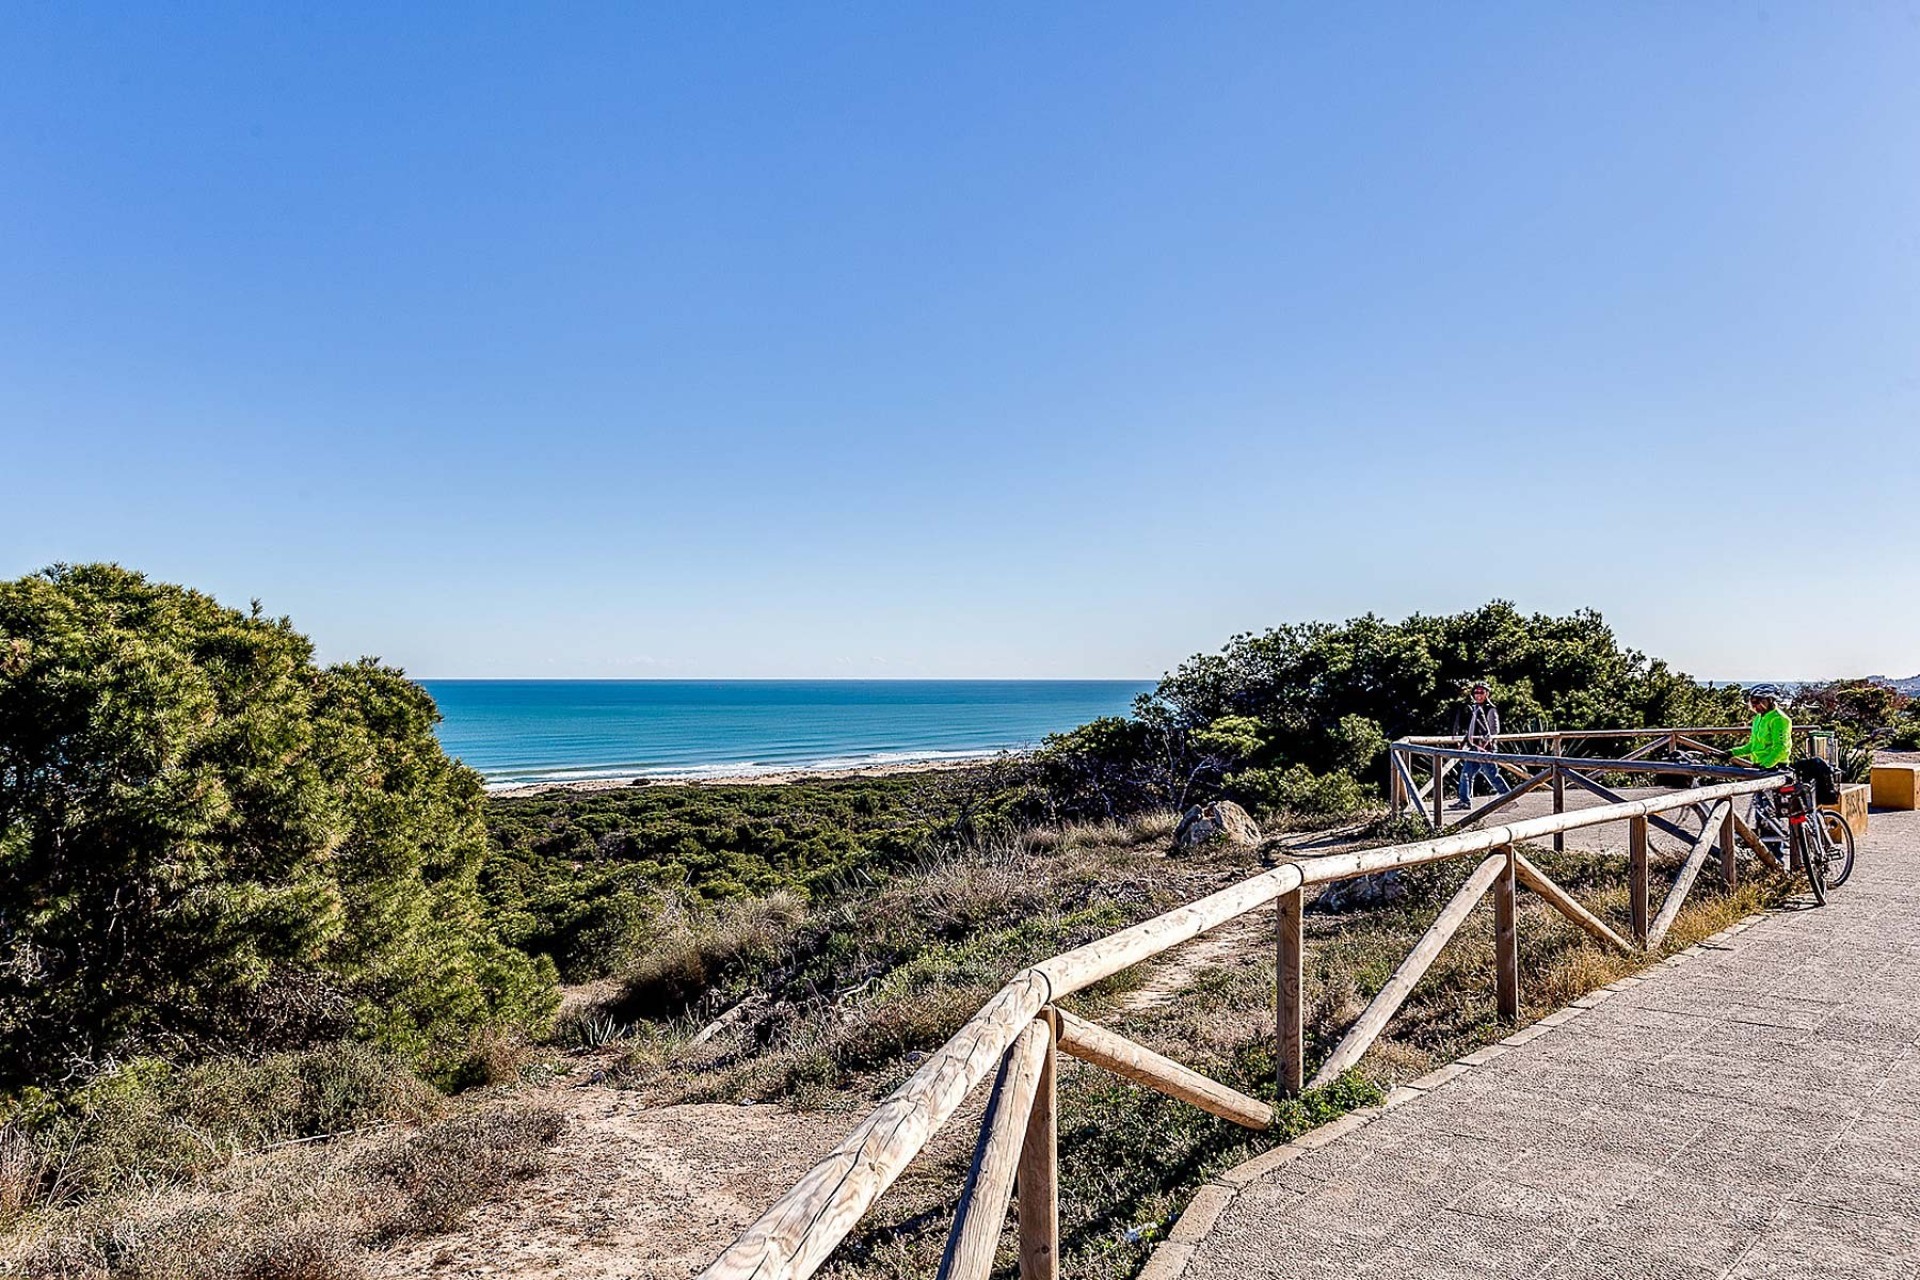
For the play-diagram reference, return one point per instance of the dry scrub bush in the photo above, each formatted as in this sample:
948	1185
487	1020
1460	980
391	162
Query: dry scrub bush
495	1055
875	978
290	1217
304	1213
25	1172
699	948
1158	825
425	1183
146	1123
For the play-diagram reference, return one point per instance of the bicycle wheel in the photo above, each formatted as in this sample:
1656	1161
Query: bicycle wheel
1839	848
1813	856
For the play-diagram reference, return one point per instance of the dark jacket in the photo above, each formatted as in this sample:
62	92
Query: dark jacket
1476	724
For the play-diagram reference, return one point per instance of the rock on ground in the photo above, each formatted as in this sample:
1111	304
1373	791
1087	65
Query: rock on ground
1222	819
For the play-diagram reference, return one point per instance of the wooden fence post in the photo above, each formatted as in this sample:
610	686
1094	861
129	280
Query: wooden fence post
1396	792
1439	792
1506	942
1729	864
1559	797
1037	1181
1290	1048
1637	877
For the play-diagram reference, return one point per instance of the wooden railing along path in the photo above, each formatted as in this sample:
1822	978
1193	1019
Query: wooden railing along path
1560	761
1017	1034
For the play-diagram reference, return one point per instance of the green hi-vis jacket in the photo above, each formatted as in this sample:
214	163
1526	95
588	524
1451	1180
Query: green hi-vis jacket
1771	740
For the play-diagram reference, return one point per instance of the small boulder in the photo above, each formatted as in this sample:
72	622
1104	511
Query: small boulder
1377	890
1220	820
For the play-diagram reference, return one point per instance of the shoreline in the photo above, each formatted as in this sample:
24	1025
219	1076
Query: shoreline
767	778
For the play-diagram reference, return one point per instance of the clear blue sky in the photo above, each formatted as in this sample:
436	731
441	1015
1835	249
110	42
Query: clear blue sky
969	340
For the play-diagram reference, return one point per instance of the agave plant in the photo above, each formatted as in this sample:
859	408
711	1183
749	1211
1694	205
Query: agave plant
1856	762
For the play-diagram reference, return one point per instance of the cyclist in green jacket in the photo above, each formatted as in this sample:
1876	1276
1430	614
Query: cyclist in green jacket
1770	740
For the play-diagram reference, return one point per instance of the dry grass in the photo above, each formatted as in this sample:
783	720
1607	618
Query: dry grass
302	1213
146	1123
698	949
872	980
27	1170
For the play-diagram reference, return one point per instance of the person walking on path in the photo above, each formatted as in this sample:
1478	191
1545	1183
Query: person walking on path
1477	726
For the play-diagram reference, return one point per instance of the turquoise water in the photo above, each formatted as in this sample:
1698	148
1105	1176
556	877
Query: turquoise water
524	731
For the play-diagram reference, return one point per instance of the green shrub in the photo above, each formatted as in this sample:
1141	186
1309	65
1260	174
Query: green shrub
1328	697
1298	790
206	839
596	879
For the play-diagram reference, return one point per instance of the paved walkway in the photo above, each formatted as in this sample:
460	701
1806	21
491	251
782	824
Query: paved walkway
1750	1111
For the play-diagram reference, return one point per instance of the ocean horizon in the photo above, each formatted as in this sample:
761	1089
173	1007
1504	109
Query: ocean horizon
534	732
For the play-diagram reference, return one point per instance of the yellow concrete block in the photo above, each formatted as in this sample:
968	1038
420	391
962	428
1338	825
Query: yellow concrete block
1896	786
1853	805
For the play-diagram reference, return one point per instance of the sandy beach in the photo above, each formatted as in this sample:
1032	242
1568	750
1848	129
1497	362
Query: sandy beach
771	778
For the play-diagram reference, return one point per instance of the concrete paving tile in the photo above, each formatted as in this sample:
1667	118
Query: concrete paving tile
1564	1206
1241	1247
1585	1260
1358	1207
1454	1245
1672	1237
1870	1230
1801	1253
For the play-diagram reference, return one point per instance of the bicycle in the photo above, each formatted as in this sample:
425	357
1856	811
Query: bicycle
1823	848
1776	815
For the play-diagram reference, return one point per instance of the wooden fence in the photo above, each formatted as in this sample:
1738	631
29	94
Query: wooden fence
1417	768
1017	1034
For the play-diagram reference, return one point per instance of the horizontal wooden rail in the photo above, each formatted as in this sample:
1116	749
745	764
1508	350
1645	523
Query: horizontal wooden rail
794	1237
1548	735
1095	1044
1597	764
1611	796
1512	793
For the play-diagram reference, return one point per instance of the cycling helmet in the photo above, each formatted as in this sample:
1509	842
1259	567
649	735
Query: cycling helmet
1770	692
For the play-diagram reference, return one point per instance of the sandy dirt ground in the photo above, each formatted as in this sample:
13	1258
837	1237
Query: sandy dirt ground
630	1193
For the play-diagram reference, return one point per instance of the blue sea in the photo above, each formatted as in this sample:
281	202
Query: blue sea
516	732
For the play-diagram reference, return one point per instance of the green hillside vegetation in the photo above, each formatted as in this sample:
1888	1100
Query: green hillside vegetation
591	878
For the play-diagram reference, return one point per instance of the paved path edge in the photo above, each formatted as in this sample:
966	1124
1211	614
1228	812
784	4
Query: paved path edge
1170	1257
